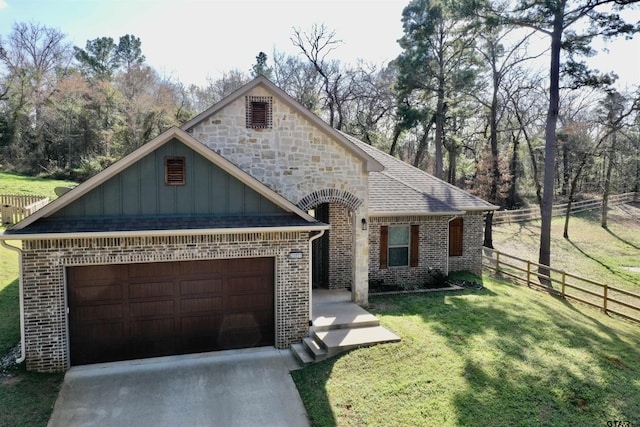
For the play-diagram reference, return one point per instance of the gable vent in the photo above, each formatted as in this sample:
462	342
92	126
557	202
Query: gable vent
174	168
259	112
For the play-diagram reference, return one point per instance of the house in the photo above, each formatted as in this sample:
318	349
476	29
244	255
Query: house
211	235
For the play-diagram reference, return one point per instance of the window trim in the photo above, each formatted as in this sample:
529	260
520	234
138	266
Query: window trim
174	169
407	245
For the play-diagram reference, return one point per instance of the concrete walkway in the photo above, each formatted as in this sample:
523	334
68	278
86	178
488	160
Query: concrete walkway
230	388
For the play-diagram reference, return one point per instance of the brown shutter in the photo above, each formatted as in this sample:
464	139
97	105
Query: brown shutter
384	247
455	237
415	245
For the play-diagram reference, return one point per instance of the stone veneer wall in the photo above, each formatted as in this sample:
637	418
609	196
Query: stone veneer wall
472	237
298	160
294	157
340	247
44	262
433	235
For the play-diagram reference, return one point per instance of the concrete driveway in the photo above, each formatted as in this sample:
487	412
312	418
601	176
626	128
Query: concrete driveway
229	388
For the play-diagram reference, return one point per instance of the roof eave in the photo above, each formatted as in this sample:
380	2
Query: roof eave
161	233
413	213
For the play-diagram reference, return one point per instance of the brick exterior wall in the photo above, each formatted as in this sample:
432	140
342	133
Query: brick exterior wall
433	248
340	247
472	237
44	262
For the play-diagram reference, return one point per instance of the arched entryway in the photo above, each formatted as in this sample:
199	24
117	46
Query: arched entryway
333	253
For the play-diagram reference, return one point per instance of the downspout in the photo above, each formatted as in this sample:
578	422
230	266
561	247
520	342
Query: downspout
447	248
311	239
20	292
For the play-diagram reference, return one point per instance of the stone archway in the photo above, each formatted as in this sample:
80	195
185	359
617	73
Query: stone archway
330	195
333	254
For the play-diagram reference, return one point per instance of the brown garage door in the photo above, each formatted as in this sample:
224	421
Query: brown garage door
121	312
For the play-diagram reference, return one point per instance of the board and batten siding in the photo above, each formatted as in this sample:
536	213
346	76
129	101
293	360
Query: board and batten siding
140	190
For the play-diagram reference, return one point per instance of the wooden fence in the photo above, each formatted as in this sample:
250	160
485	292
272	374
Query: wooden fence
609	299
14	208
501	217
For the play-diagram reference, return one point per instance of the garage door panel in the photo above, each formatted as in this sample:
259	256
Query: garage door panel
250	284
152	309
201	287
210	268
89	273
96	293
99	333
201	305
249	302
156	328
202	326
157	309
155	269
257	266
150	290
103	312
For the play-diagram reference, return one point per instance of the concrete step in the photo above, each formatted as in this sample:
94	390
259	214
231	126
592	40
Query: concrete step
302	354
317	352
336	341
343	316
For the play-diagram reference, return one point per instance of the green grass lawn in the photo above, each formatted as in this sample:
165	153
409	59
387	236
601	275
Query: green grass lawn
502	356
26	398
608	256
11	183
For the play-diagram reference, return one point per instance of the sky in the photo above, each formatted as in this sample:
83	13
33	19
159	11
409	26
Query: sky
191	40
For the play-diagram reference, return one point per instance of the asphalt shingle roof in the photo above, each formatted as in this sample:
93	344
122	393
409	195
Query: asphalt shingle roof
404	189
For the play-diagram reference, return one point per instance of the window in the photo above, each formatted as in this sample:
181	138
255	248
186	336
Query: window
399	246
259	112
174	173
455	237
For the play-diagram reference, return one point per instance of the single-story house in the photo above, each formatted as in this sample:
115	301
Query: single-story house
211	236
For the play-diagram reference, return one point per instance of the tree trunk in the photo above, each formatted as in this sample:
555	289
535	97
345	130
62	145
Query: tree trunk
396	135
488	230
493	137
550	143
422	147
607	184
513	172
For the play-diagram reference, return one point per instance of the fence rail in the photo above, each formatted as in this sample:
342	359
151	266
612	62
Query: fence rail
609	299
14	208
508	216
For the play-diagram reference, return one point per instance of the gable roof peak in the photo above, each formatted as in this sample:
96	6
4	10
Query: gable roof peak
371	164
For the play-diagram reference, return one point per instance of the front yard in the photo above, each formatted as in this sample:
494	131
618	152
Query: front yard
501	356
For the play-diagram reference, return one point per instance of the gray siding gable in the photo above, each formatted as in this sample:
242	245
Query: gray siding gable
140	190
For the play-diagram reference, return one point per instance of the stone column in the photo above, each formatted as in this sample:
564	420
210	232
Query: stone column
360	288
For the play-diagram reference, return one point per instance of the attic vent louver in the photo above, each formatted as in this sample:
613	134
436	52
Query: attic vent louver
259	112
174	171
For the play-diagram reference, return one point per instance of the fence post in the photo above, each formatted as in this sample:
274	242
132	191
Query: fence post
528	273
497	262
564	276
604	298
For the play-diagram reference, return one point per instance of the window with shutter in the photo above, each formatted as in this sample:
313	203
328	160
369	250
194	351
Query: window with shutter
174	171
455	237
399	246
